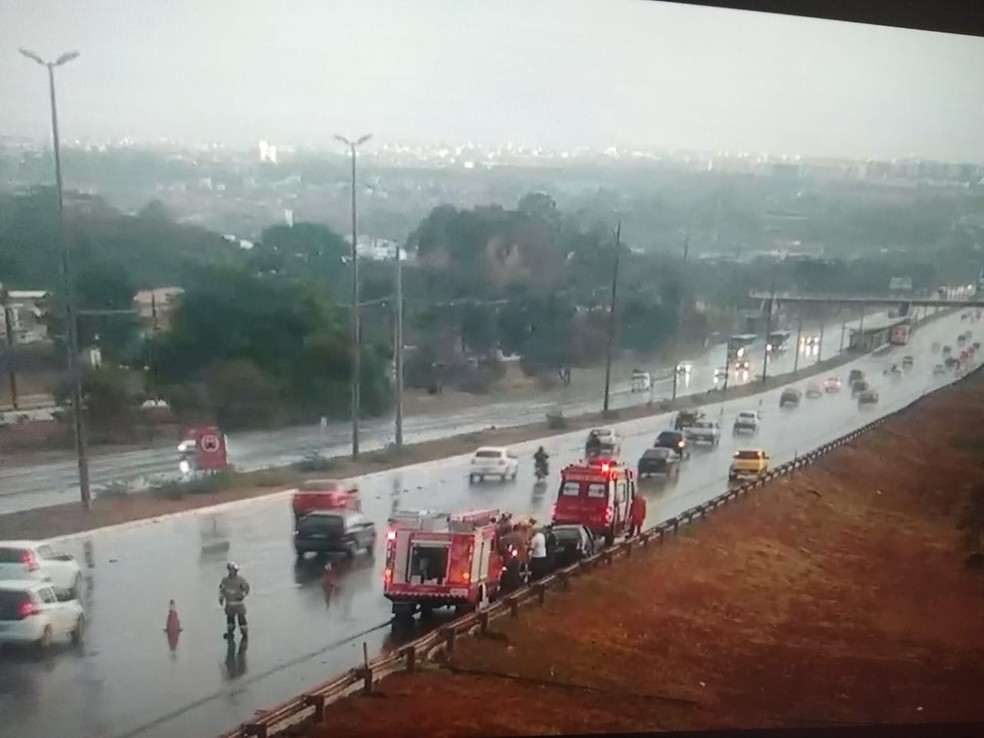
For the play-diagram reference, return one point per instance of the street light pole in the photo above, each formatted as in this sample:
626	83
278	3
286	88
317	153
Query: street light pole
611	317
768	327
799	345
74	364
398	341
820	345
356	330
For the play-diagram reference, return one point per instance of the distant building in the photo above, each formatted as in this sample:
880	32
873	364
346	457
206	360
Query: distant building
27	311
163	301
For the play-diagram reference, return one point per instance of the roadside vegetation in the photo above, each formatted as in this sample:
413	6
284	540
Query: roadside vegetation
260	337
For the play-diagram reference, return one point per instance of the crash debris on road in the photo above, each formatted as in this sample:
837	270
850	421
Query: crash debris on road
838	595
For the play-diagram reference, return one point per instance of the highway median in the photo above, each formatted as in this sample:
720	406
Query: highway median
119	505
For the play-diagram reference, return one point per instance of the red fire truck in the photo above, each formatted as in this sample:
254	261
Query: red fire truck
434	559
325	494
597	495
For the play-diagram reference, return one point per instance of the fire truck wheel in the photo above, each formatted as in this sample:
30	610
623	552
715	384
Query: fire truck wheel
403	611
426	611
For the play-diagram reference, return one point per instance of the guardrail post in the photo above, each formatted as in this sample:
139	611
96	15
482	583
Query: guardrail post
513	606
628	548
410	654
366	679
448	634
317	701
644	537
541	593
256	730
483	622
565	580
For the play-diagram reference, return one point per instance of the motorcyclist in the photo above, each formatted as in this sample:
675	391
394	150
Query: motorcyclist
593	446
540	458
232	591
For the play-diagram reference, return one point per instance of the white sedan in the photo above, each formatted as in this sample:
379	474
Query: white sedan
38	561
32	613
493	461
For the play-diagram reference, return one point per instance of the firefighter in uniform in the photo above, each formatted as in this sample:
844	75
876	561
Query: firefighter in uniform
637	515
232	591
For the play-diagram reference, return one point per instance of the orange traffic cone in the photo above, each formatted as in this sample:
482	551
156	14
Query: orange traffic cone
173	626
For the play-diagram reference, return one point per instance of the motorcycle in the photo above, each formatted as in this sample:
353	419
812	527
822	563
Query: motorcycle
542	471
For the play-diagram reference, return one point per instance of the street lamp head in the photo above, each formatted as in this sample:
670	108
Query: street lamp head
343	140
66	58
363	139
32	56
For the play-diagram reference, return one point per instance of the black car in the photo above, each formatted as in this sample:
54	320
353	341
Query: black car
573	543
790	397
858	387
868	397
659	460
334	531
675	440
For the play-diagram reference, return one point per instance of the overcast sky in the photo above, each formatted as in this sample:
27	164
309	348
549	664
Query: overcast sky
555	73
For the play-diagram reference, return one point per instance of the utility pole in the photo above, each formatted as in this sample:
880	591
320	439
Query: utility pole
398	341
799	345
768	326
686	253
820	344
74	363
9	326
153	334
611	316
356	328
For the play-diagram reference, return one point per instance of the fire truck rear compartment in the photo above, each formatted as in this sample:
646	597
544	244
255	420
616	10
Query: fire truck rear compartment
428	562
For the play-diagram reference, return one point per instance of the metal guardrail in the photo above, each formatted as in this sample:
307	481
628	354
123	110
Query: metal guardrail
311	706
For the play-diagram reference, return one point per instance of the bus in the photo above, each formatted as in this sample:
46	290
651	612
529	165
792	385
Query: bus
778	341
741	341
899	335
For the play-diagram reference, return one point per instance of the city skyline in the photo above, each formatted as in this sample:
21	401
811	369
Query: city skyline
634	75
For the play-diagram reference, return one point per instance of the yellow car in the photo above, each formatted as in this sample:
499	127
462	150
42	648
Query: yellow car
748	464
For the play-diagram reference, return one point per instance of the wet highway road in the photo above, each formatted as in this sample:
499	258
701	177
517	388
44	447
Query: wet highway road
29	486
125	682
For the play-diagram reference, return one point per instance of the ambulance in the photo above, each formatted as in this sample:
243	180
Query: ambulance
598	495
434	559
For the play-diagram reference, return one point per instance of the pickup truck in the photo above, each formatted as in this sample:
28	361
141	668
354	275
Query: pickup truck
705	431
687	418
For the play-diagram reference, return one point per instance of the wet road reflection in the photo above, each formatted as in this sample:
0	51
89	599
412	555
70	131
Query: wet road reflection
128	680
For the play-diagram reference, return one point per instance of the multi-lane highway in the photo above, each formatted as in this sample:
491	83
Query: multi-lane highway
23	487
126	682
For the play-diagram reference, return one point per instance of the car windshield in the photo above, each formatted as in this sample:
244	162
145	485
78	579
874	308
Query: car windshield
746	416
10	604
668	437
658	453
748	455
11	555
567	535
488	454
328	524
